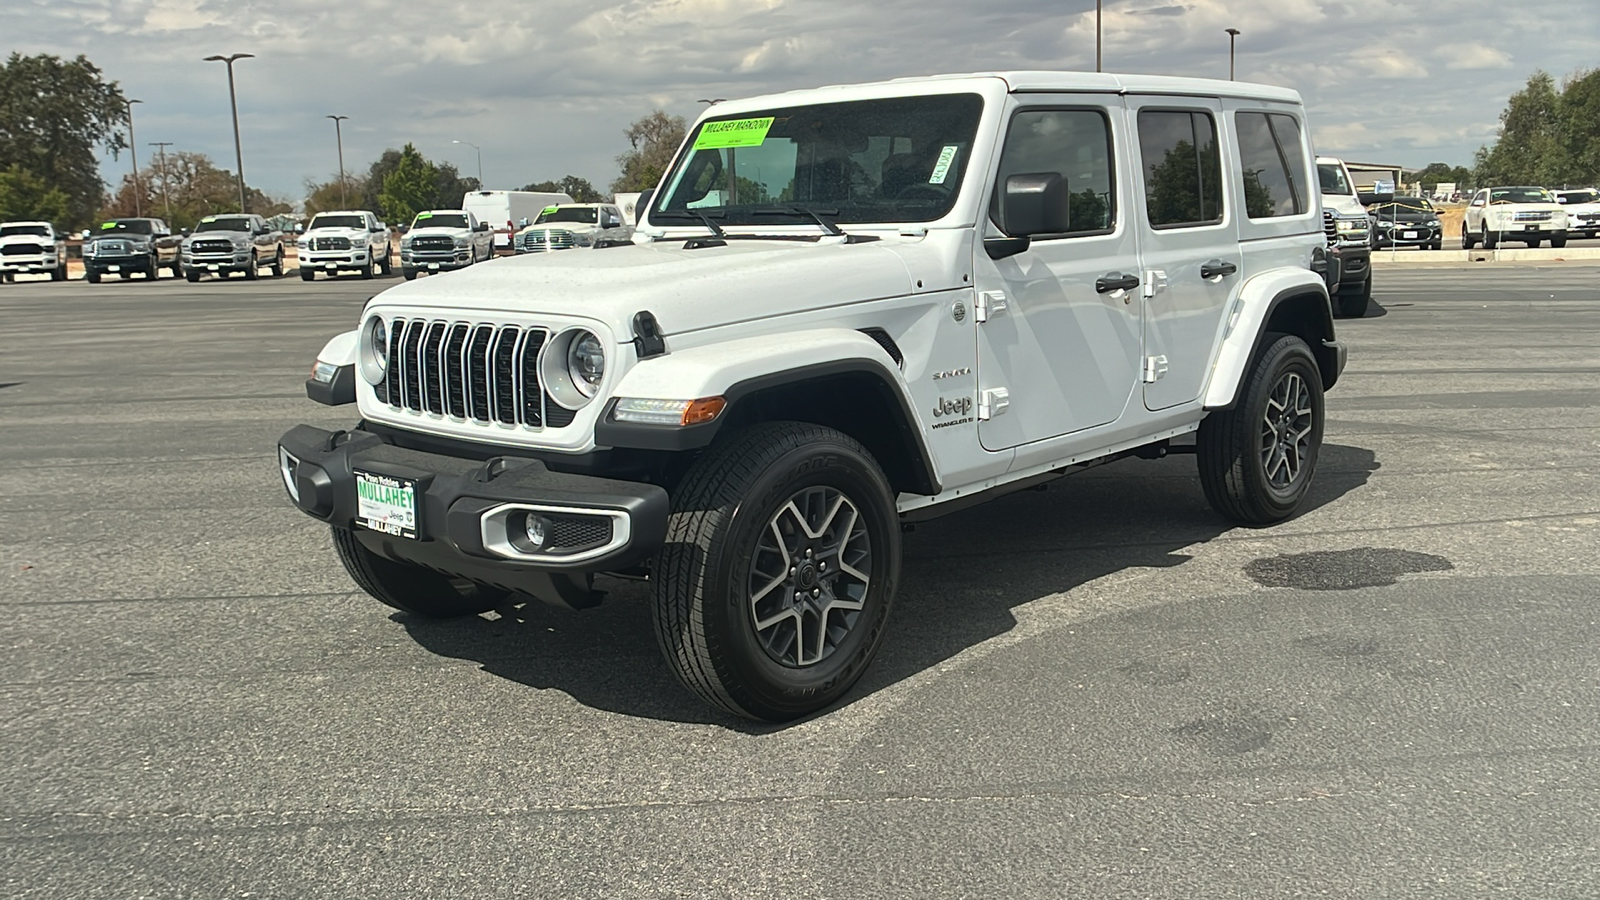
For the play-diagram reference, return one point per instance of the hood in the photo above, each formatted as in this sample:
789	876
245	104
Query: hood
1403	214
26	239
686	290
1344	204
355	234
574	227
439	229
131	236
219	235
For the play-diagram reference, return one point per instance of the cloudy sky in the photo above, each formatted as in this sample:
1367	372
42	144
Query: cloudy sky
546	88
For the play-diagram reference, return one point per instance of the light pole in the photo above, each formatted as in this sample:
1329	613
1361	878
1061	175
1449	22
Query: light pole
133	150
233	100
161	154
1097	4
1232	33
338	138
480	160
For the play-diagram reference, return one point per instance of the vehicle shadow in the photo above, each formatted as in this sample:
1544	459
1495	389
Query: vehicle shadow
963	575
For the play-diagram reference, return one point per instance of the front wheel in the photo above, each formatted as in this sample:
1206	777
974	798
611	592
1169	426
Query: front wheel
1352	303
91	276
368	267
1558	240
410	588
193	275
1257	459
277	264
410	274
1490	239
1467	242
253	272
780	564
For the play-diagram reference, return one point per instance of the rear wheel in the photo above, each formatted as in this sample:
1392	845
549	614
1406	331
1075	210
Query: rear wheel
59	273
1467	241
410	588
1257	459
781	561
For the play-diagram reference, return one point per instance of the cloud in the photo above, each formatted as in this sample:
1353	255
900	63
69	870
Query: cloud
1473	56
546	88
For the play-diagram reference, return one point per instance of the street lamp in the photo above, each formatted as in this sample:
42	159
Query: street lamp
338	138
480	160
1097	4
161	153
233	100
133	150
1232	33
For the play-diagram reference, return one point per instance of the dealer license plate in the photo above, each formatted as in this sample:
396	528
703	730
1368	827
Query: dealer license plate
386	504
333	267
1408	234
215	268
113	268
433	267
1532	228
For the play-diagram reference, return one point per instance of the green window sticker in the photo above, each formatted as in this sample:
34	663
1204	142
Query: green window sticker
421	216
108	226
733	133
548	210
941	169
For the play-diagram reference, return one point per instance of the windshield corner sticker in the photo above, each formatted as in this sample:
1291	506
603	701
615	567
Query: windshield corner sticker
547	210
108	226
942	168
421	216
733	133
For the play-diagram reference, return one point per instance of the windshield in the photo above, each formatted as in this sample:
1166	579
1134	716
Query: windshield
1403	205
234	223
586	214
1579	197
1333	180
440	220
338	222
1520	195
14	230
896	160
127	226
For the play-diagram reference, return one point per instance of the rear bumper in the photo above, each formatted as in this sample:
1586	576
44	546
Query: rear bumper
470	514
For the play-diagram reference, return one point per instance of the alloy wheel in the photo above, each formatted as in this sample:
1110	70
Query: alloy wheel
809	576
1286	428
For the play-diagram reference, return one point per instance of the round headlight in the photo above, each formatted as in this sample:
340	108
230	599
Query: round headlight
586	361
375	351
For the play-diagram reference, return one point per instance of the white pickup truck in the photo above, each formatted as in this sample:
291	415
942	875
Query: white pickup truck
440	240
32	247
569	226
342	241
846	310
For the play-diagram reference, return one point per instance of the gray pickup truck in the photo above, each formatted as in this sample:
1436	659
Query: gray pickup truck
122	247
222	245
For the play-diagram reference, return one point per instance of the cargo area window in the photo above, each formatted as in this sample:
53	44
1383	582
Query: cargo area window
1272	170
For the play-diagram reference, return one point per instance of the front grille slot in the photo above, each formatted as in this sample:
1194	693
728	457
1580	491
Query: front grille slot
330	243
211	247
433	242
21	250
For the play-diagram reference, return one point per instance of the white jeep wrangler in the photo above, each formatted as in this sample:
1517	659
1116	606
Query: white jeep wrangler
847	309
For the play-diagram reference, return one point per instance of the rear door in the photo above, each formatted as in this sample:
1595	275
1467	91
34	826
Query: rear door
1188	241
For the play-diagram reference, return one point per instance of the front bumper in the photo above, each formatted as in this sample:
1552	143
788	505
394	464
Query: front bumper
238	261
1406	236
469	513
105	265
334	260
436	260
23	265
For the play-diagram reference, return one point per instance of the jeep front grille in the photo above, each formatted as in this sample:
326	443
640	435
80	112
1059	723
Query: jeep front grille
330	243
471	371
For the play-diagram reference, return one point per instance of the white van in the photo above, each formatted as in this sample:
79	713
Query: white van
504	210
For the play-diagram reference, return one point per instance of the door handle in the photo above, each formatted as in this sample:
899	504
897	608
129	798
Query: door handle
1216	268
1115	281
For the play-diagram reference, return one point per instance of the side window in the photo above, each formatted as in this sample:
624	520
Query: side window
1076	143
1273	169
1182	170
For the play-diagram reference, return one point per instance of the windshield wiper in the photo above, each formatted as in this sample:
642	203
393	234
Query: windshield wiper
816	213
711	226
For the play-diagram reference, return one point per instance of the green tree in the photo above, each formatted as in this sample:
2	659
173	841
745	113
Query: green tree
324	196
411	188
1529	148
25	196
1579	114
193	187
53	115
1434	174
653	139
579	189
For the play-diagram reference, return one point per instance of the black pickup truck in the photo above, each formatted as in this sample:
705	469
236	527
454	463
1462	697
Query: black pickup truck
124	246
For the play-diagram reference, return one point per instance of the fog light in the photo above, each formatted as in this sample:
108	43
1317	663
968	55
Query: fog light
537	529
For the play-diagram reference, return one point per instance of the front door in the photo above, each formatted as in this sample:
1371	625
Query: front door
1058	348
1188	243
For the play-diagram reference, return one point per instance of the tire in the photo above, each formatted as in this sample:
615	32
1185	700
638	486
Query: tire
734	516
1352	304
277	263
91	276
1235	446
409	588
1533	244
193	275
1490	239
410	274
384	265
253	271
1438	244
1558	240
368	267
307	274
1467	241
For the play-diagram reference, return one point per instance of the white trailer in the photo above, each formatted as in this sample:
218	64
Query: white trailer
505	210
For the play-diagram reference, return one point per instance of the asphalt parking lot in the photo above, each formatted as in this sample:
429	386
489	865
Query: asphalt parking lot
1095	691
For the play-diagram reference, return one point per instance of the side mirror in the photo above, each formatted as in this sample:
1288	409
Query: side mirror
1035	204
183	231
299	228
481	226
613	222
642	204
86	234
523	222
